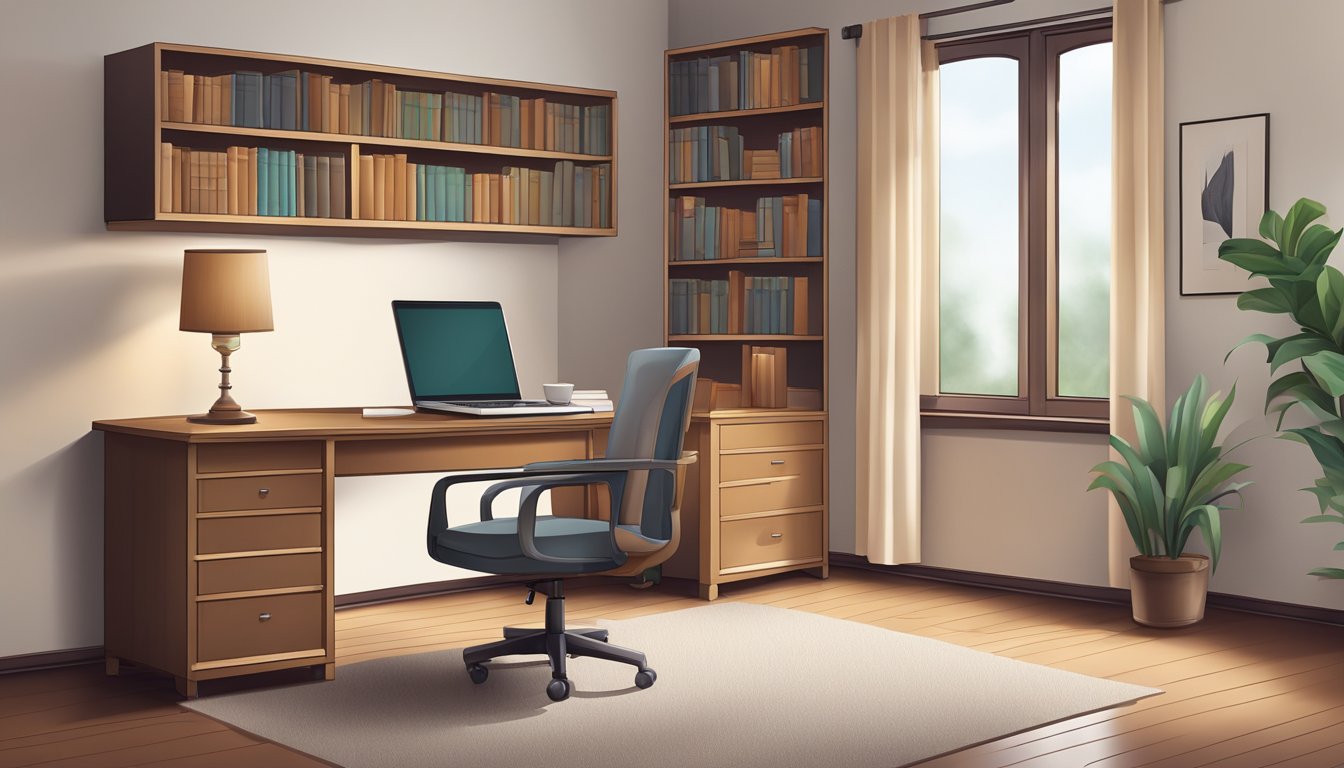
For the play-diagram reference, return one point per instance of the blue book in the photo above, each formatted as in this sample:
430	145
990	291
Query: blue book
286	181
813	227
292	171
431	192
440	193
288	94
787	308
303	105
777	207
712	232
263	181
698	253
454	193
273	186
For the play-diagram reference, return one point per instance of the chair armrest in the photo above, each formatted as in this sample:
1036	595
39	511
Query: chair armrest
610	465
438	505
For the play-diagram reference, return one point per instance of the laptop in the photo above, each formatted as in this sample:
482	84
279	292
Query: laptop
458	360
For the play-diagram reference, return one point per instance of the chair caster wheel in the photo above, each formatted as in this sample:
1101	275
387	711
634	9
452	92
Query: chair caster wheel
559	690
478	673
645	677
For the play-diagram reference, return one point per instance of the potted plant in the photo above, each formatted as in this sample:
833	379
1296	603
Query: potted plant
1170	483
1304	287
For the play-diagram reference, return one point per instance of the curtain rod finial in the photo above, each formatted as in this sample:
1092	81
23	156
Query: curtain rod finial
851	32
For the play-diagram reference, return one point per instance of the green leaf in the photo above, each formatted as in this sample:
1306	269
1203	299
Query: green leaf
1302	213
1208	519
1302	387
1271	226
1329	452
1329	573
1297	347
1316	244
1254	338
1257	257
1323	519
1328	368
1152	445
1268	300
1330	296
1339	546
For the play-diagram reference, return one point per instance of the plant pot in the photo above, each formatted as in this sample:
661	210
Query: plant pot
1166	592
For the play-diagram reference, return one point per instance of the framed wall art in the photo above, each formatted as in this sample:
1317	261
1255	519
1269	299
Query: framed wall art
1224	191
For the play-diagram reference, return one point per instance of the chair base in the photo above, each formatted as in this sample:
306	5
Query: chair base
556	643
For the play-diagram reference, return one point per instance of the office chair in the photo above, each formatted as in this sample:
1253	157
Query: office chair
644	473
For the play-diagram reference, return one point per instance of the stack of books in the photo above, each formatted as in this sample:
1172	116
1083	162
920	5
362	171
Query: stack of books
391	188
596	399
785	76
788	226
308	101
251	181
717	153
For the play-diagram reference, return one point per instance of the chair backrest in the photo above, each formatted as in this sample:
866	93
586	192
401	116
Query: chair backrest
650	423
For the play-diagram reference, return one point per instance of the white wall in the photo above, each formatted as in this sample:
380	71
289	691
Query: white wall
88	318
1226	58
957	513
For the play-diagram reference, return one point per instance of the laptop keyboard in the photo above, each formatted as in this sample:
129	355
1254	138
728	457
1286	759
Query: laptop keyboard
497	403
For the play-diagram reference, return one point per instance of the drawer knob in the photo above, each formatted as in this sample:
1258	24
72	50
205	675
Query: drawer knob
776	462
263	492
776	535
265	616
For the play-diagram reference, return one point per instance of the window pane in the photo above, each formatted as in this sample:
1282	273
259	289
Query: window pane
1084	268
978	320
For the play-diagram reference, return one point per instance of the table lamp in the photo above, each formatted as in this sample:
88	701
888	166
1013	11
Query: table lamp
225	292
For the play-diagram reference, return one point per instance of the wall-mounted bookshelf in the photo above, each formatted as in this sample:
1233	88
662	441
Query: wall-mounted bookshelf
745	274
218	140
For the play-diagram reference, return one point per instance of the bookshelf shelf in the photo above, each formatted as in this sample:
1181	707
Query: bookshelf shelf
212	140
730	114
382	141
721	274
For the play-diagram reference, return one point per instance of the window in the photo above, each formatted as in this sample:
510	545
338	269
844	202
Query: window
1025	223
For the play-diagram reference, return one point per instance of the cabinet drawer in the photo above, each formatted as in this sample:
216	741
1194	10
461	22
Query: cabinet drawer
803	490
769	435
268	492
246	534
249	457
754	466
232	629
246	573
773	539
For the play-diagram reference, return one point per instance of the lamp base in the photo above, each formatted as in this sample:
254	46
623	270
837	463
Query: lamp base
227	417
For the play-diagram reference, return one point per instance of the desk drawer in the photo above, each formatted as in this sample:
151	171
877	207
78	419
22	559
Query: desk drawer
774	539
247	573
233	629
757	466
267	492
771	434
248	534
788	492
258	455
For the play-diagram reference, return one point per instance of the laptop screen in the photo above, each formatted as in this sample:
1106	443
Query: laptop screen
456	350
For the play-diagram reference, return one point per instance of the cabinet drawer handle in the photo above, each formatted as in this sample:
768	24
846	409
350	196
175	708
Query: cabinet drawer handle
776	462
776	535
265	616
263	492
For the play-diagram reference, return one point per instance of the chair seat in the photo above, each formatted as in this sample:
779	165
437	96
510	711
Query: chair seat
492	545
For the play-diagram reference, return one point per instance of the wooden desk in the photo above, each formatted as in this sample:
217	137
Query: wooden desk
218	553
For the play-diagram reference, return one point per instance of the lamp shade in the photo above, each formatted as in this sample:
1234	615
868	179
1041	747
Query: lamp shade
225	291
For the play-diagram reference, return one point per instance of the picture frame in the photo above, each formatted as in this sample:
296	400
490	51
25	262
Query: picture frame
1224	191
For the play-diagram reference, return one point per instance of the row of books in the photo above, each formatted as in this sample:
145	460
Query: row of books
393	189
785	76
307	101
788	226
251	181
741	304
718	153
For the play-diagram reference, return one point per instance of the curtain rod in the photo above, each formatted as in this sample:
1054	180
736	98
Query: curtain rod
855	31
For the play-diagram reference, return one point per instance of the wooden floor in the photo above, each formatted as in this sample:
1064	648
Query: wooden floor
1241	690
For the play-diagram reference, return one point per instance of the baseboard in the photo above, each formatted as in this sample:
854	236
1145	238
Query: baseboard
1088	592
67	658
410	591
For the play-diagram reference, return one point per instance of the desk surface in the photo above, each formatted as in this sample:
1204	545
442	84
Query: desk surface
337	423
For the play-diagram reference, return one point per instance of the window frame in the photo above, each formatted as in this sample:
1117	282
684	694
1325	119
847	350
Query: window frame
1035	50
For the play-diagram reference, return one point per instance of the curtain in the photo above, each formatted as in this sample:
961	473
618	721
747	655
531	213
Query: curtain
897	224
1137	272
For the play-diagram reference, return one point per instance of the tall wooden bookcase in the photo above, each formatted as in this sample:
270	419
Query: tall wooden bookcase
758	500
137	124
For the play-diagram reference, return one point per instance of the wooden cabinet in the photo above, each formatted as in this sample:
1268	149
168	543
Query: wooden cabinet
745	199
218	557
756	500
398	152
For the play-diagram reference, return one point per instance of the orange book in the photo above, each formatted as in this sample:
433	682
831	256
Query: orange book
165	177
366	175
550	127
300	186
379	187
377	108
177	180
389	188
189	98
411	171
244	181
343	110
231	156
539	134
477	207
506	198
331	116
252	181
534	212
736	300
801	325
399	189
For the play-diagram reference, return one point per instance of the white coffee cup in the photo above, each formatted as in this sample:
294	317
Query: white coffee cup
558	394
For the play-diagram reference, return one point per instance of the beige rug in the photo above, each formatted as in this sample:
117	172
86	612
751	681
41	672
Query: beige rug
738	685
